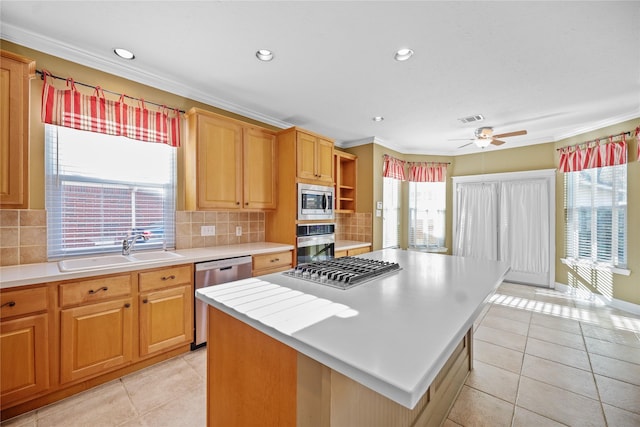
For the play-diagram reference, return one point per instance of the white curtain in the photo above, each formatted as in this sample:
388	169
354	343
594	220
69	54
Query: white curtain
524	225
477	221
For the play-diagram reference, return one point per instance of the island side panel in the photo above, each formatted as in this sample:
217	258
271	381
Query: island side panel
251	378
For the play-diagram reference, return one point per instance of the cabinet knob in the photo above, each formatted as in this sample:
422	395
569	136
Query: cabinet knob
9	304
144	301
237	203
168	277
104	288
127	305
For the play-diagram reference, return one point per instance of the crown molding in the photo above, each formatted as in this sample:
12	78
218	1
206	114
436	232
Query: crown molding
68	52
599	125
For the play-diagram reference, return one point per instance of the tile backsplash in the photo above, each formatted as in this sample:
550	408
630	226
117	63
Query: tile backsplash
23	236
354	226
189	224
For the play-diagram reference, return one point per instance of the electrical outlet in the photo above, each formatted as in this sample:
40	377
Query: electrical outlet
239	230
208	230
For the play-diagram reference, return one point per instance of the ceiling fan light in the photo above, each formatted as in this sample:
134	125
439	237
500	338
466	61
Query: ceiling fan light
482	142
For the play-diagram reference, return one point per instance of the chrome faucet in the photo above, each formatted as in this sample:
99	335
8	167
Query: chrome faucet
129	243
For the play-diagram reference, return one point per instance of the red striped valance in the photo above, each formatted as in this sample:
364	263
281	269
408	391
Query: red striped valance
595	154
94	113
393	168
427	172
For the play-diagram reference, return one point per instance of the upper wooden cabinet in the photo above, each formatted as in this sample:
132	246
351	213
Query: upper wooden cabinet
346	170
15	73
314	158
228	164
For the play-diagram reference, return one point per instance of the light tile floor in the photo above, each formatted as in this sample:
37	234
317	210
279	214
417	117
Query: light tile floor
541	358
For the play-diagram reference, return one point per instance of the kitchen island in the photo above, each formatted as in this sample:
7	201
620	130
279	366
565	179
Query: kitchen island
391	351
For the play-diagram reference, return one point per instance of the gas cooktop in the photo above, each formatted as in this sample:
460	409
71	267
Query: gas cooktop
344	272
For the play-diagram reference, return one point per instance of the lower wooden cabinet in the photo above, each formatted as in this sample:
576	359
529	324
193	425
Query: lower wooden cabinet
64	337
24	343
24	357
272	263
352	252
166	319
95	338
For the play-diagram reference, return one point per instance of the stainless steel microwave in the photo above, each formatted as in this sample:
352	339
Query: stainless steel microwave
315	202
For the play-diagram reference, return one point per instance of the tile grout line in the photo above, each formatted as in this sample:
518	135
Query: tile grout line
593	375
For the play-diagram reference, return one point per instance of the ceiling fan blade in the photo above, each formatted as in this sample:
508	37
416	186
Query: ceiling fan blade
508	134
462	146
497	142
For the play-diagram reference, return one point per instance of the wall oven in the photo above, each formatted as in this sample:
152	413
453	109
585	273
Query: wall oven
315	242
315	202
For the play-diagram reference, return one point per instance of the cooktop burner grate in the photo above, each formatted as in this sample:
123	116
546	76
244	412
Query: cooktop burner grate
343	273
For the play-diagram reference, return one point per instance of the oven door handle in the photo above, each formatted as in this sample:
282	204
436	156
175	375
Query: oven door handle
306	241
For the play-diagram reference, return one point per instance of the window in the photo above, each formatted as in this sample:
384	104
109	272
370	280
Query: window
391	213
101	189
596	215
427	206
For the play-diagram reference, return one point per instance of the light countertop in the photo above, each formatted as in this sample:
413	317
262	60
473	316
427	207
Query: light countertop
392	334
30	274
345	245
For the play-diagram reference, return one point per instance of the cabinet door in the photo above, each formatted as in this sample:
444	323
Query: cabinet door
259	169
95	338
324	163
24	357
306	156
166	319
219	160
15	72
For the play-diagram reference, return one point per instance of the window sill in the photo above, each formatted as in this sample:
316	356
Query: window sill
595	266
428	249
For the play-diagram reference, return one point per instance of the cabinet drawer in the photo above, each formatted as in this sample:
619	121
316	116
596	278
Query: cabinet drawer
23	301
268	261
98	289
164	278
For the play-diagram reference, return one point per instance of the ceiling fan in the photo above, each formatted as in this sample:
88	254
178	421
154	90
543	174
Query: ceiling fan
484	136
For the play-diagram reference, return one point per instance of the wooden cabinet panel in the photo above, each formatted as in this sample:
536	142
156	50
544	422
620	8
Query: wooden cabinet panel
272	263
218	155
259	166
358	251
228	164
166	319
92	290
314	158
164	278
23	301
95	338
24	357
325	161
15	73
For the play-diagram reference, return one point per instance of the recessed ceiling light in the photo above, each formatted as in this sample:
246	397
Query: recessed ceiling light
124	53
264	55
378	119
403	54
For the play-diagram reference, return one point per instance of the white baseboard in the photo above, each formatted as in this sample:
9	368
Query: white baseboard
588	295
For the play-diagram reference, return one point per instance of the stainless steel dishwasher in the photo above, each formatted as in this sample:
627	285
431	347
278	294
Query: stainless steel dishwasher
211	273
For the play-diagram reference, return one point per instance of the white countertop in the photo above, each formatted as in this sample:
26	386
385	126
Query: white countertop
345	245
30	274
392	334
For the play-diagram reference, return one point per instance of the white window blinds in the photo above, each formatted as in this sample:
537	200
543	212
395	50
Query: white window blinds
596	215
427	207
101	189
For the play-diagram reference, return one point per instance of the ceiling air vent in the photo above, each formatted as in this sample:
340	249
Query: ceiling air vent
471	119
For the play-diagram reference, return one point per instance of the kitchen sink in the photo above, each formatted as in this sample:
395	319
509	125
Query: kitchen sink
74	264
154	256
91	263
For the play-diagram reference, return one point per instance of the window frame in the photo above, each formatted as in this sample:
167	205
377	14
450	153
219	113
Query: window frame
439	215
54	188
